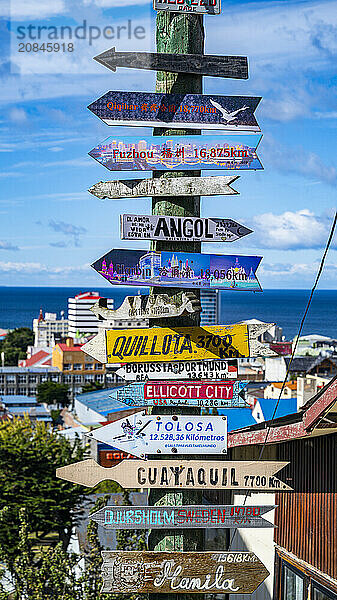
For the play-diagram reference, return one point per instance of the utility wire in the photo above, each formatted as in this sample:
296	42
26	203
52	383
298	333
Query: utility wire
319	273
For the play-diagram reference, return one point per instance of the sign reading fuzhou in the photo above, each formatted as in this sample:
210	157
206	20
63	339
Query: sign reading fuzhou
185	572
162	517
213	394
194	369
179	269
209	7
142	434
188	111
177	229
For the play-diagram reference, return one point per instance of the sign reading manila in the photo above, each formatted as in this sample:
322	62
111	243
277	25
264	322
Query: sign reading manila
218	394
162	517
209	7
182	572
150	307
235	67
158	344
183	474
179	153
168	186
179	269
181	229
192	370
143	434
185	111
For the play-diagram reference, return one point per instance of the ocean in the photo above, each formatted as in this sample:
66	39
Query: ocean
19	305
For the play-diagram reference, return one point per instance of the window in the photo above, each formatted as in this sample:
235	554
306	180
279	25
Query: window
67	378
22	378
77	366
54	378
88	377
98	366
78	378
11	391
32	378
99	378
22	391
2	378
43	378
10	379
67	367
293	584
321	593
89	366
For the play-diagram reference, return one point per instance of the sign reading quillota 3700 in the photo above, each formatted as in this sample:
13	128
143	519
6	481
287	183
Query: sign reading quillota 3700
177	229
179	343
185	572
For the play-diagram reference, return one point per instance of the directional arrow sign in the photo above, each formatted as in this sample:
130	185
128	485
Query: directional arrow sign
150	307
224	394
162	517
180	474
192	370
173	186
181	343
179	153
235	67
209	7
182	111
182	572
143	434
180	229
179	269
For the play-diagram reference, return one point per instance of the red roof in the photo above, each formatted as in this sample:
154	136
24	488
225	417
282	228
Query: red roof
66	348
36	358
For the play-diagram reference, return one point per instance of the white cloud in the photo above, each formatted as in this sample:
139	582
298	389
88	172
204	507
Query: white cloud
37	267
296	271
18	115
7	246
35	9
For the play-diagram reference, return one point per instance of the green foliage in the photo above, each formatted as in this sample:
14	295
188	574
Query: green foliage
93	386
15	345
51	392
29	456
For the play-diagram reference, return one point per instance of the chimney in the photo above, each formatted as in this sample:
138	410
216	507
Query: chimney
69	342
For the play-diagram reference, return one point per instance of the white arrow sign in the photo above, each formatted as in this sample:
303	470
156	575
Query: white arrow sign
194	369
142	434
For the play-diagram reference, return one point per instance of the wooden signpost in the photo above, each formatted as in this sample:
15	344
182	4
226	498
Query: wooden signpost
179	343
173	186
188	572
235	67
210	394
150	307
179	269
181	229
142	434
230	152
180	474
192	370
208	7
162	517
188	111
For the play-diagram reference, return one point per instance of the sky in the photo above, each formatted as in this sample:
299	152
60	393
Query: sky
52	229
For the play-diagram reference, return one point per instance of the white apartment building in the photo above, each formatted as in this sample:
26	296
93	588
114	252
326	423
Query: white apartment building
210	304
48	327
81	320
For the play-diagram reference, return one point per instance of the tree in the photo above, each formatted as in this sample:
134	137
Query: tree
29	456
92	386
15	345
51	392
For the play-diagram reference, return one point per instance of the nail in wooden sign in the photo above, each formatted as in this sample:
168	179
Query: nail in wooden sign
209	7
185	572
179	269
192	370
150	307
188	111
235	67
142	434
181	229
180	474
158	344
213	394
168	186
179	153
187	517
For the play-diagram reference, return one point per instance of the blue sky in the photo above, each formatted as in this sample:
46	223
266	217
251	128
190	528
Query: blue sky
52	228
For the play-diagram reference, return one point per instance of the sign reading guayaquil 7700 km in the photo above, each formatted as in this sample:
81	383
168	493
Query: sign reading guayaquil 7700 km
188	111
177	370
179	269
158	344
179	153
208	7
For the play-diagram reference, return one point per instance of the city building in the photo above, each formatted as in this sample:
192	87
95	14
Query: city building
82	321
19	406
210	304
96	407
40	358
272	391
48	329
23	381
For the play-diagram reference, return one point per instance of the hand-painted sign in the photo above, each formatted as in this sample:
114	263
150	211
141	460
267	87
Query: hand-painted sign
212	394
179	269
282	348
192	370
235	67
181	229
181	474
179	153
143	434
182	572
182	111
180	343
166	186
209	7
187	517
150	307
